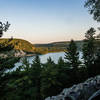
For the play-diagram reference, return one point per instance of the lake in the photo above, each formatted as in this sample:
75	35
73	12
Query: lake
43	58
54	57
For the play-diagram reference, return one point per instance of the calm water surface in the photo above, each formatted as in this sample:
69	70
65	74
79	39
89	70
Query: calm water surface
54	57
43	58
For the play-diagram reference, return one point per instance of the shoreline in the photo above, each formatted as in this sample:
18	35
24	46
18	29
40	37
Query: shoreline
23	54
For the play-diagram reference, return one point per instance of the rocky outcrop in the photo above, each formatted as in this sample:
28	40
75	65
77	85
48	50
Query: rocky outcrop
95	96
82	91
19	53
15	53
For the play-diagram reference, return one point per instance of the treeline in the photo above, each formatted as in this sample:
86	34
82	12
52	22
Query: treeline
17	44
44	50
55	46
37	81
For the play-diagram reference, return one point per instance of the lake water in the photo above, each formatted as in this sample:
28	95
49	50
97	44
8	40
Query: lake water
54	57
43	58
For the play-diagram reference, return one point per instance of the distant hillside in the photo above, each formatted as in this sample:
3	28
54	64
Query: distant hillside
57	46
51	47
60	46
18	44
27	47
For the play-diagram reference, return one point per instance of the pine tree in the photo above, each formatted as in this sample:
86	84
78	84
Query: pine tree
3	27
36	76
72	59
94	8
72	56
50	81
89	50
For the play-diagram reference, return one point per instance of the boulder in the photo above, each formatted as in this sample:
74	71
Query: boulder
82	91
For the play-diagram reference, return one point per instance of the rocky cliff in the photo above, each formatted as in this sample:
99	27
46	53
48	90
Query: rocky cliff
83	91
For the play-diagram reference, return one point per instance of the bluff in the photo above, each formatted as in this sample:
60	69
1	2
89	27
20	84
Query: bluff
18	44
16	47
88	90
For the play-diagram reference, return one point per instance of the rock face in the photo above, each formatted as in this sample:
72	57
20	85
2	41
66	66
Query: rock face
16	53
13	53
82	91
19	53
95	96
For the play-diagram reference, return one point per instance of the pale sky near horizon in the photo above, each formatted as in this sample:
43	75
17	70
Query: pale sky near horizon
45	21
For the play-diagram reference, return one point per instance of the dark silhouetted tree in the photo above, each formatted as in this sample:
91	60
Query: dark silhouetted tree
94	8
36	77
89	50
3	27
72	57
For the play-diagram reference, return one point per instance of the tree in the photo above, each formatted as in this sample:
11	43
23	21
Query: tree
3	27
25	82
3	67
94	8
89	50
35	73
50	84
61	62
65	73
72	57
90	33
96	69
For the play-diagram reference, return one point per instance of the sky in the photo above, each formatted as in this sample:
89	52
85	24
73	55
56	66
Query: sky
45	21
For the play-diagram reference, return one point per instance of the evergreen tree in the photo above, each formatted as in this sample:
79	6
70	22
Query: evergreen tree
72	57
3	27
61	62
4	62
96	68
89	50
36	77
49	80
94	8
65	73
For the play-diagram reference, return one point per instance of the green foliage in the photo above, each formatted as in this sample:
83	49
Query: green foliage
55	47
5	65
44	50
61	62
94	8
18	44
36	76
5	47
72	55
96	65
8	62
89	50
3	27
49	80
